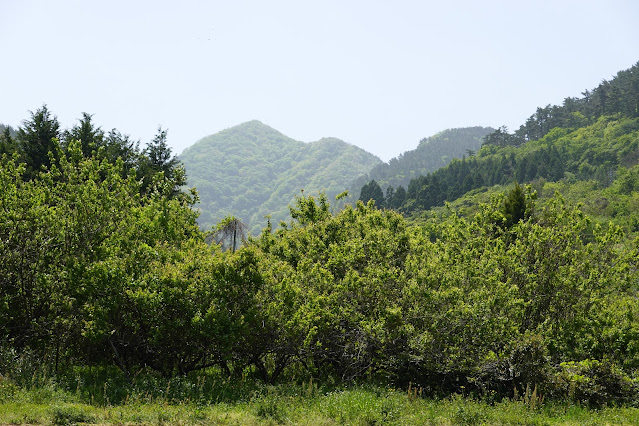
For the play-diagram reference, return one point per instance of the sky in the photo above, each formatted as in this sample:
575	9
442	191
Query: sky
381	75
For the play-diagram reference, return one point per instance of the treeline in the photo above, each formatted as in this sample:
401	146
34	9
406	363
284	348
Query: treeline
431	154
39	142
617	96
97	272
588	139
594	152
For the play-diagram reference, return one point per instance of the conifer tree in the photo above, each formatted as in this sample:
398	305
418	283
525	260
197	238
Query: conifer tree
86	133
37	137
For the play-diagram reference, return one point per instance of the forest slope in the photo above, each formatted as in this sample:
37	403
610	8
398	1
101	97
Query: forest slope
431	154
594	138
251	171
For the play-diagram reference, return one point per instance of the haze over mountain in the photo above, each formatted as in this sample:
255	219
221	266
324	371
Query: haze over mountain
252	170
431	154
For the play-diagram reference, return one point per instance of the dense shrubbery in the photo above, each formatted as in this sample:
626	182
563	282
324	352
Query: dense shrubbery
96	272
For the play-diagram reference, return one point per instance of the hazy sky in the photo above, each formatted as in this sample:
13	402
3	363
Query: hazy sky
379	74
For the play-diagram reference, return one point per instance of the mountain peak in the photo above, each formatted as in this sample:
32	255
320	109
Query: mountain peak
253	126
252	170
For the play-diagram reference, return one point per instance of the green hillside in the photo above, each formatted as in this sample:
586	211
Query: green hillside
591	139
251	171
431	154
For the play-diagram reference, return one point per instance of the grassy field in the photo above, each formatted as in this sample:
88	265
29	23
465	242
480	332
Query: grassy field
307	404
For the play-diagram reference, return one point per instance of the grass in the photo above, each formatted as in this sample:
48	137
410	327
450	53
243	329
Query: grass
84	395
307	404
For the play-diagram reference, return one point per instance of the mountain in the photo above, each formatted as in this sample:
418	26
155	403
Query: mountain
252	170
431	154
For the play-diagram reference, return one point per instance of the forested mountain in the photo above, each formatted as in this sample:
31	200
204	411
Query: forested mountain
585	139
431	154
251	171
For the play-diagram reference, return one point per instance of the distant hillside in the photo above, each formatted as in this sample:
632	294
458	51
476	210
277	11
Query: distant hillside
252	170
594	139
12	132
431	154
7	142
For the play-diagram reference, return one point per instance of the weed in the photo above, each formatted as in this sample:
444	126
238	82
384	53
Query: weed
269	407
70	416
468	415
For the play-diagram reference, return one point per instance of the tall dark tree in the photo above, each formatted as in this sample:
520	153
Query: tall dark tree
372	191
158	158
90	137
501	137
118	146
517	206
37	137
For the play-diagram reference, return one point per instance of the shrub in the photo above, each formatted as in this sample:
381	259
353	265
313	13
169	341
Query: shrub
594	383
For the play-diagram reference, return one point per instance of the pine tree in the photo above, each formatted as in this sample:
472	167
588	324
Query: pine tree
372	191
89	136
37	137
158	158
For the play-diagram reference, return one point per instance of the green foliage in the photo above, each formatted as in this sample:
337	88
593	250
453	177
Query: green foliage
618	96
594	152
508	300
345	273
157	159
594	383
70	415
7	140
90	137
431	154
587	138
372	191
517	206
251	171
60	232
37	138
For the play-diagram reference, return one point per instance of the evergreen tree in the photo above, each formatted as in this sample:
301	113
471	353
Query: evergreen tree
516	206
372	191
399	197
37	137
118	146
158	158
89	136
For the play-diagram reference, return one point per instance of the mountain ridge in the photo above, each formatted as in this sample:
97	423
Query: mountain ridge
431	153
252	170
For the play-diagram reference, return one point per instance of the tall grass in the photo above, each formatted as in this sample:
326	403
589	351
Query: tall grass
34	393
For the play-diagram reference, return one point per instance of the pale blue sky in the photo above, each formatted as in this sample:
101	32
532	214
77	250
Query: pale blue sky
379	74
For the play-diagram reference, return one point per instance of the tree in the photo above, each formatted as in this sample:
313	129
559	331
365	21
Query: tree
118	146
90	137
37	137
372	191
230	233
158	158
517	205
